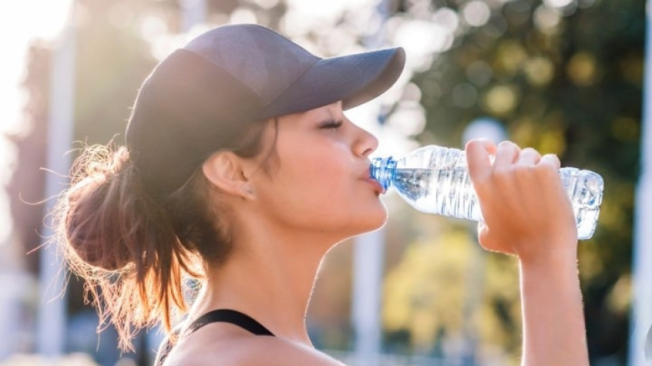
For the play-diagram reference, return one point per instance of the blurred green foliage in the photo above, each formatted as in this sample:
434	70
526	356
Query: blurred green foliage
566	81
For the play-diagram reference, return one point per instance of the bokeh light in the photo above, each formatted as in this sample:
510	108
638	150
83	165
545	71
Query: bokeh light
539	71
422	39
476	13
501	99
547	19
583	69
558	3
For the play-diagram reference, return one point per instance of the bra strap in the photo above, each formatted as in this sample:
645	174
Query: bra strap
229	316
222	316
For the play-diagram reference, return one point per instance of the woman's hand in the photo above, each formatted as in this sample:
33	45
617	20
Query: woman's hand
526	210
528	214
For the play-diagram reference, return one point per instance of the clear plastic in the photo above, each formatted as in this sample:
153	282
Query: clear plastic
435	179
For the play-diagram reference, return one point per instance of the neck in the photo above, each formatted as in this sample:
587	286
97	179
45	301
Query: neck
269	276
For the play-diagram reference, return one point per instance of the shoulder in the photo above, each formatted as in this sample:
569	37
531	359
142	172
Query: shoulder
275	351
245	350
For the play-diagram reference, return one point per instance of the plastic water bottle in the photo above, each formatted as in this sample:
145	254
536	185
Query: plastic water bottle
435	179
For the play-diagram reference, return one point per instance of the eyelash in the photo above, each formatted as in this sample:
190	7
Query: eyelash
331	124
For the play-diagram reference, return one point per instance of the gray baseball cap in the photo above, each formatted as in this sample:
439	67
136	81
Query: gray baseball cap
202	95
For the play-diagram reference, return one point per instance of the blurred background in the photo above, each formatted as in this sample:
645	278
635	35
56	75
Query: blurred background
562	76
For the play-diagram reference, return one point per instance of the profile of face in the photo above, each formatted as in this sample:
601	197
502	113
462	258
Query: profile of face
319	181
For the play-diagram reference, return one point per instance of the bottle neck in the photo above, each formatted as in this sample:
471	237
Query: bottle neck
382	170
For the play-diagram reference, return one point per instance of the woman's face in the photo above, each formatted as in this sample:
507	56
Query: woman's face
320	181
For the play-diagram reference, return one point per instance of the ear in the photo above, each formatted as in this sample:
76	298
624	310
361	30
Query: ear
226	171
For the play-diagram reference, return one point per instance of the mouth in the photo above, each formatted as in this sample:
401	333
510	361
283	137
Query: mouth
376	185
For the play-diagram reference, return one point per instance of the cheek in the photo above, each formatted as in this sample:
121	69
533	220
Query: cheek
320	189
317	177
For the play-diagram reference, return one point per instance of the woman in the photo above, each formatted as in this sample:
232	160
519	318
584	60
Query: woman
242	171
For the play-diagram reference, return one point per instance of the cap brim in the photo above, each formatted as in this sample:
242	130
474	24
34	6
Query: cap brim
353	79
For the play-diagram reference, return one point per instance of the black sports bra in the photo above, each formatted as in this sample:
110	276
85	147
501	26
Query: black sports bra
216	316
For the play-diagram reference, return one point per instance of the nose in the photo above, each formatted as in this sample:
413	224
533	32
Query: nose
365	143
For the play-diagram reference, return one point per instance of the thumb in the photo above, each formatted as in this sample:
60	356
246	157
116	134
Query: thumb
478	153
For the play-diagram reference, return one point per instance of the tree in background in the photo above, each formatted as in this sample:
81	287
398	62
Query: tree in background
565	77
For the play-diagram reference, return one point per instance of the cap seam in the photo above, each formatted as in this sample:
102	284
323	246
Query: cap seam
223	69
266	108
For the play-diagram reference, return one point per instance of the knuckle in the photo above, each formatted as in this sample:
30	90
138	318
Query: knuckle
502	172
478	179
530	151
470	145
475	144
502	175
524	172
505	146
552	159
547	171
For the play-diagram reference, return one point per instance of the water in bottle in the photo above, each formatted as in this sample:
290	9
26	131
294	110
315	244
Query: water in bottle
435	179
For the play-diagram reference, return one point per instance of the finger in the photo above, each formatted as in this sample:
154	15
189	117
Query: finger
552	160
478	158
506	154
529	156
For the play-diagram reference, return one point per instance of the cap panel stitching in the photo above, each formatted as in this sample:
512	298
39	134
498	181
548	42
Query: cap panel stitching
271	102
223	69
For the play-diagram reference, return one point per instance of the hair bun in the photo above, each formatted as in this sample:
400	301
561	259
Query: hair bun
94	219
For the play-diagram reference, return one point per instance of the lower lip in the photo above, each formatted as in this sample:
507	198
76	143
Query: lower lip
377	187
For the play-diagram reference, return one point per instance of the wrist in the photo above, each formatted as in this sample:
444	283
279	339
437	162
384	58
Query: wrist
551	254
558	274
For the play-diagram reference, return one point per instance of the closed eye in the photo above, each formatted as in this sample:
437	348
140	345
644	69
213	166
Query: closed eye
330	124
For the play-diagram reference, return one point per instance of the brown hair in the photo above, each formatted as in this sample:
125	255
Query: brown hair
134	251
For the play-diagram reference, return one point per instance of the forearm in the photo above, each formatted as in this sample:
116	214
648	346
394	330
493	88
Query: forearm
553	321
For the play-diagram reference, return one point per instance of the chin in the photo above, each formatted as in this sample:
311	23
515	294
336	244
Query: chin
371	220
